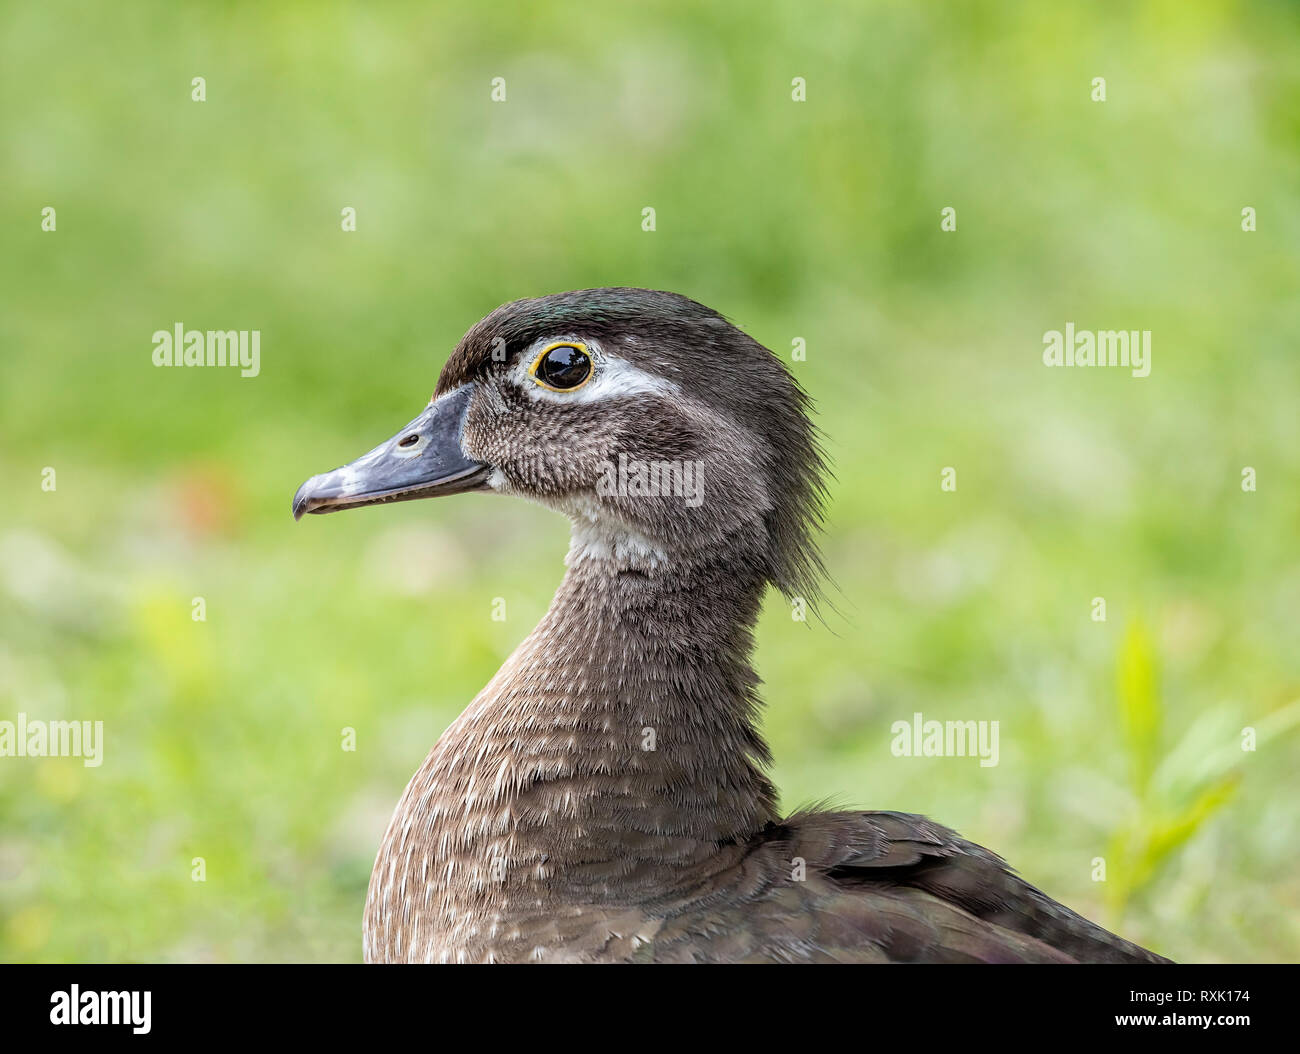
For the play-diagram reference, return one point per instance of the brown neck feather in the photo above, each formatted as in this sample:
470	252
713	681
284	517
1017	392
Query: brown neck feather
608	759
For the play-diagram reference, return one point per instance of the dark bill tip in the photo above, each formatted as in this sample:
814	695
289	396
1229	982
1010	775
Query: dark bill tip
301	500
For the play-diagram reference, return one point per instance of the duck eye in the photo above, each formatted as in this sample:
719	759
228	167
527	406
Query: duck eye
562	367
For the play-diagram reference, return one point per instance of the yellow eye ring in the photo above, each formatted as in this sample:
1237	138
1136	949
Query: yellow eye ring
560	373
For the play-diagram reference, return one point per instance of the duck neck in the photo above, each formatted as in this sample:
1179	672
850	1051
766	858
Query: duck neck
616	749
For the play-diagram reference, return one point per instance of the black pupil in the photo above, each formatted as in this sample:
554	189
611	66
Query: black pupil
565	367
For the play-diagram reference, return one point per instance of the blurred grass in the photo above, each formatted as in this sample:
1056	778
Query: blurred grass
817	220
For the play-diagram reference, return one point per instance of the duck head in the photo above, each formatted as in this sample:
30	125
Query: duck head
659	428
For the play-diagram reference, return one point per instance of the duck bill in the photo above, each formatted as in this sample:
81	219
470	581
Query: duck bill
424	460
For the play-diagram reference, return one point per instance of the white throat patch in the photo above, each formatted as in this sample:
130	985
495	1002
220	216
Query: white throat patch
600	538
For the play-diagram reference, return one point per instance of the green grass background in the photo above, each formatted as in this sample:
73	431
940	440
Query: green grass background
817	220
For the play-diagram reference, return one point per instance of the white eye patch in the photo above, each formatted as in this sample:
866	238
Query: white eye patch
612	377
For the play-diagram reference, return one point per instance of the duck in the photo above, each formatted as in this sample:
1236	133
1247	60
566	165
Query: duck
605	798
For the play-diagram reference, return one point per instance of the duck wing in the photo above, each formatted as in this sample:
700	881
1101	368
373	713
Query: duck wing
875	887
